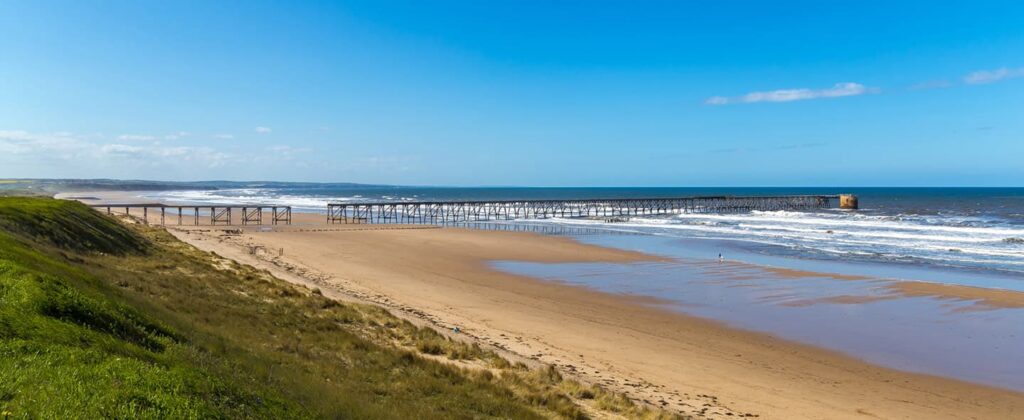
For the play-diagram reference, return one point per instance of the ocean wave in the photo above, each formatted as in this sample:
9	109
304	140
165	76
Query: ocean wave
266	197
856	220
951	241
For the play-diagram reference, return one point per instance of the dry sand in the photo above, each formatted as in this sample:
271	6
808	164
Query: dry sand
668	359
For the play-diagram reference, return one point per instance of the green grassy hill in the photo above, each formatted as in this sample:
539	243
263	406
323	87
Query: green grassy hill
104	319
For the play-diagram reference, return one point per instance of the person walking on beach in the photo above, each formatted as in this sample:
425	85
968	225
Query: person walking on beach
720	257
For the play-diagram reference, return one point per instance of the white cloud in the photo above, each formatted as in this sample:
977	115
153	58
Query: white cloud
284	148
717	100
789	95
991	76
223	136
178	135
121	149
136	137
62	154
23	142
263	130
60	148
147	137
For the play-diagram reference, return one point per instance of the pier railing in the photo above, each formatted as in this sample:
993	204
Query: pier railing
451	212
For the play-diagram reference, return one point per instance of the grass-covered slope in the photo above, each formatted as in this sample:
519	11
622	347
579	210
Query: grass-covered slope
65	225
103	319
69	344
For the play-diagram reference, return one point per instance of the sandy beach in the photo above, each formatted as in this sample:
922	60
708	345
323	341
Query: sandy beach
631	344
980	297
627	343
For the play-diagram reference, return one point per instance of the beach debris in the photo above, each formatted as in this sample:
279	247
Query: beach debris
456	330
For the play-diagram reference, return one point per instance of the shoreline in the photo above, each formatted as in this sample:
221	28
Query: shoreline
982	298
687	361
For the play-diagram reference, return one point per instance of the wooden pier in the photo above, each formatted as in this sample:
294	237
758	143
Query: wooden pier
452	212
214	215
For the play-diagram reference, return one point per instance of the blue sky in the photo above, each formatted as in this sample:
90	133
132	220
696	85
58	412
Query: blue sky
675	93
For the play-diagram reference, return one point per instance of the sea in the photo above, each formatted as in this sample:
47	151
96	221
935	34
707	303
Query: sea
961	228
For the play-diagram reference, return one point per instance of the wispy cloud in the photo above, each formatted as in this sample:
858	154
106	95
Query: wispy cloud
136	137
982	77
790	95
717	100
224	136
63	154
284	148
18	142
121	149
146	137
263	130
67	147
178	135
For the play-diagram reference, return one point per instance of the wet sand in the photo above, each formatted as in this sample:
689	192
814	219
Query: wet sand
666	358
983	298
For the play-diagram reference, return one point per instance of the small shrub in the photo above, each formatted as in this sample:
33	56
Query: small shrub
499	362
430	347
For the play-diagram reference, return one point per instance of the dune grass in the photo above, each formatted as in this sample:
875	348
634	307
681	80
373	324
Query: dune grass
102	319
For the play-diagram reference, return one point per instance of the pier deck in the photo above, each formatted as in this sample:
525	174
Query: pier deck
451	212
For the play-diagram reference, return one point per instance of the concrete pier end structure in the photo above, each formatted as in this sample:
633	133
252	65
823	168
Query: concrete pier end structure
848	201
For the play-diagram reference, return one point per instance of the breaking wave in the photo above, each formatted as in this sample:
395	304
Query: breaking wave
970	242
